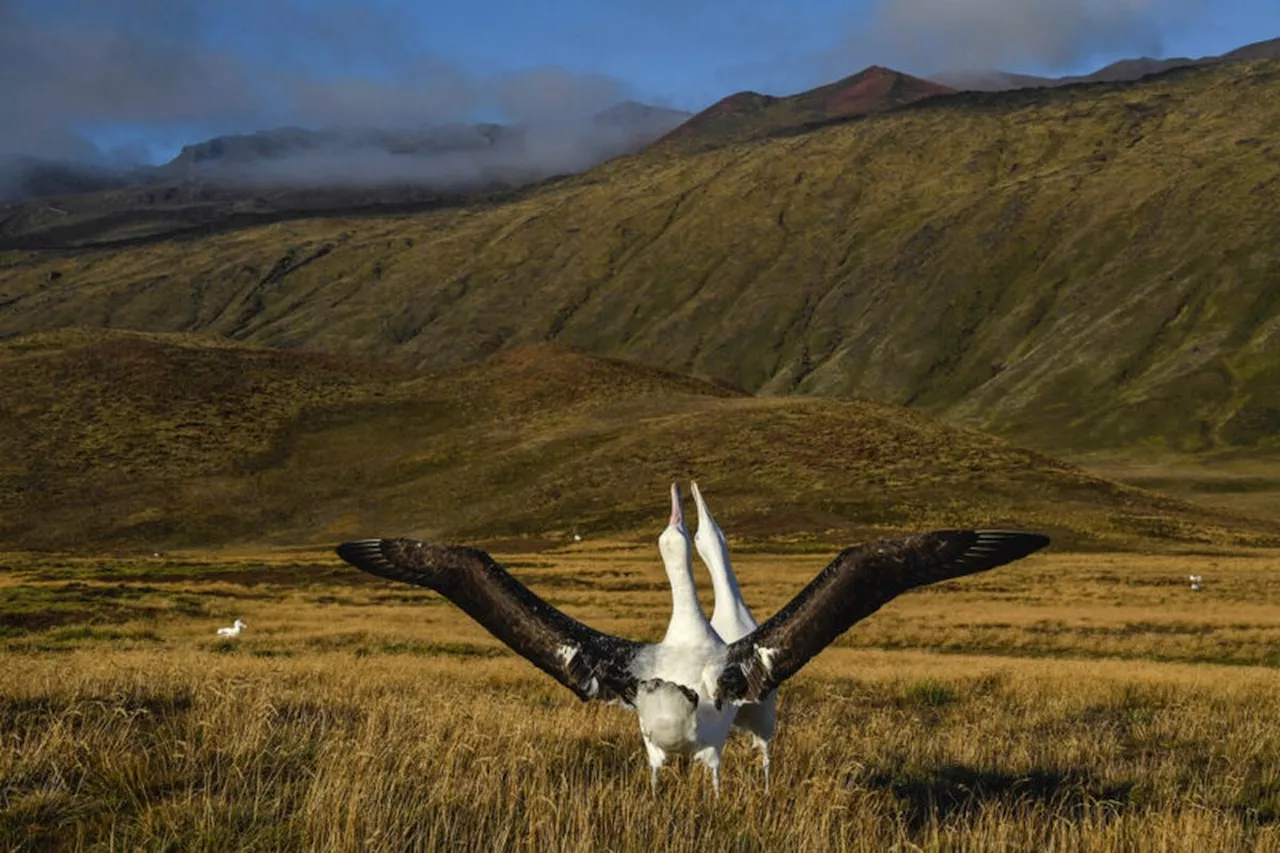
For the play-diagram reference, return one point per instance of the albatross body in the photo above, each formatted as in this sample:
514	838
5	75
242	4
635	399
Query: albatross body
234	630
687	689
676	688
732	621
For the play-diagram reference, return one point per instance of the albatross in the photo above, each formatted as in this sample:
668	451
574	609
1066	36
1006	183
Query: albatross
732	621
687	689
235	629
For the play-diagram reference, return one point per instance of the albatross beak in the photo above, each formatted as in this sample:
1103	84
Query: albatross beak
677	511
703	514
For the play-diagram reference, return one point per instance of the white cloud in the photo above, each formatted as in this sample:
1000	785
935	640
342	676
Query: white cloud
926	36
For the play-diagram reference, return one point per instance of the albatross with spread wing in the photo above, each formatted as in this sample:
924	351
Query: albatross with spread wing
687	688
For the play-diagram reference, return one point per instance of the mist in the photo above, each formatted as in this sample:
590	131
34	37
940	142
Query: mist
1040	36
142	70
452	157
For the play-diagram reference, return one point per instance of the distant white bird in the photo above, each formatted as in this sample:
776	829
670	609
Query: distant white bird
577	537
733	621
1195	583
686	689
233	631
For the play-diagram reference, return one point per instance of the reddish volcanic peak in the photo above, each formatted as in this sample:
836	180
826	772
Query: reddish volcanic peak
871	90
750	115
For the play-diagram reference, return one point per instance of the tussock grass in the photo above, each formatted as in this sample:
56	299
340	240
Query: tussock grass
373	717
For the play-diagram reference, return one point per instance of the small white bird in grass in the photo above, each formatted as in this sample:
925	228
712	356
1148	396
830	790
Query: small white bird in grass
233	631
1195	583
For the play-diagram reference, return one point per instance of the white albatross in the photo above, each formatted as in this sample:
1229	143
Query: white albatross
686	688
732	620
234	630
676	687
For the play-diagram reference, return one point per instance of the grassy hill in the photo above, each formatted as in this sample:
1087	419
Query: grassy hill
161	440
1080	268
749	115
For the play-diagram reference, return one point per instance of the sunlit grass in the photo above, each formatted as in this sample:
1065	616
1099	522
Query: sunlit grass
367	715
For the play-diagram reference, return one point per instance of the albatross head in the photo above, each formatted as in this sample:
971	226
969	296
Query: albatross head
674	541
709	539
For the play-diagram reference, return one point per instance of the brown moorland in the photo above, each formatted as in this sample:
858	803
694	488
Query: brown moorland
114	439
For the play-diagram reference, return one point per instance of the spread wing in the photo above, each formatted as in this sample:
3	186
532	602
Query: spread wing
591	664
858	582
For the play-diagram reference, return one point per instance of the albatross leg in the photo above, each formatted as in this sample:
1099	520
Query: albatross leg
711	758
763	745
657	757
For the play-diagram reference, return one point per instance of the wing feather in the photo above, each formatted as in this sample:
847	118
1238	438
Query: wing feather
592	664
856	584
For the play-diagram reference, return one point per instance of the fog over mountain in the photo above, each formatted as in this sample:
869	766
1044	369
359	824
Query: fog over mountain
443	156
151	70
98	94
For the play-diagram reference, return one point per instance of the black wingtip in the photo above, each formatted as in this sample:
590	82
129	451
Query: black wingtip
1016	544
991	548
362	553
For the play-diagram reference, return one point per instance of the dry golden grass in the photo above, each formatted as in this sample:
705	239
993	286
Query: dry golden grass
1066	713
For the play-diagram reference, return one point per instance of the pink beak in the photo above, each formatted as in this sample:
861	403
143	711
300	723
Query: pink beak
677	511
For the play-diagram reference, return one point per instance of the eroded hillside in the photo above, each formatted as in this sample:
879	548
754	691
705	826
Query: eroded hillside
1078	268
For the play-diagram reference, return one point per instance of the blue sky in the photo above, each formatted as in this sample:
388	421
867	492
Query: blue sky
135	79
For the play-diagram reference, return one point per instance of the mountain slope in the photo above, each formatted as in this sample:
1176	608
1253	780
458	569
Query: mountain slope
1120	71
750	115
289	172
1078	268
113	438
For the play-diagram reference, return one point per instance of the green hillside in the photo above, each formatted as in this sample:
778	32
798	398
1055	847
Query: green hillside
122	439
1080	268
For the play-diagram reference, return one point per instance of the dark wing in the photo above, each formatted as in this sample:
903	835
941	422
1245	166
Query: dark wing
591	664
856	584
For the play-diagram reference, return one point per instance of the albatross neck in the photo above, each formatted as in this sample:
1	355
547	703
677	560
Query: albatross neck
686	614
729	602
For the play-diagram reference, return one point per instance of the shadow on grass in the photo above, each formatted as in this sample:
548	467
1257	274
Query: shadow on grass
935	794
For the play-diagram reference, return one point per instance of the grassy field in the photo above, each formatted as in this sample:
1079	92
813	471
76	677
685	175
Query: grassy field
1067	702
1247	485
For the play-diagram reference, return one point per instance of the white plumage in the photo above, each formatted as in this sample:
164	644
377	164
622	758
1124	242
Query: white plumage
233	631
676	699
732	620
